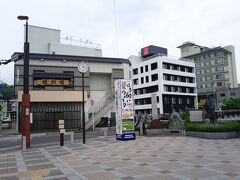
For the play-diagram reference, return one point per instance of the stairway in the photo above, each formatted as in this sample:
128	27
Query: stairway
100	109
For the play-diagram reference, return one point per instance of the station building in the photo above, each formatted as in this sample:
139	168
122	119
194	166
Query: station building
55	85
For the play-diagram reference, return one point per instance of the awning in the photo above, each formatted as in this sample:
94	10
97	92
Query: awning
47	75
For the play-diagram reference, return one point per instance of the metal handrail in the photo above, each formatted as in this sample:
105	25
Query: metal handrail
101	104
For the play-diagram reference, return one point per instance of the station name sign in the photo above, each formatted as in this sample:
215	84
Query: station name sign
52	82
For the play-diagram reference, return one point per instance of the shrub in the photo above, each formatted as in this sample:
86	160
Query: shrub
230	104
219	127
185	115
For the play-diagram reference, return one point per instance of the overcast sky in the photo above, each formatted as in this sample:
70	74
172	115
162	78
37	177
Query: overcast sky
139	23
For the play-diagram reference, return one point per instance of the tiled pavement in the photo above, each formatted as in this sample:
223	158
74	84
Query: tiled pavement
150	158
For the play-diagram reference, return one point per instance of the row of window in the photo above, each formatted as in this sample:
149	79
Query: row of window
212	84
154	77
210	77
144	101
175	100
167	100
207	56
217	69
180	89
178	67
145	68
231	94
209	62
146	90
169	77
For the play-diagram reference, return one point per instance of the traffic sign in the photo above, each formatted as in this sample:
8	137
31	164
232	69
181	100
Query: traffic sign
92	102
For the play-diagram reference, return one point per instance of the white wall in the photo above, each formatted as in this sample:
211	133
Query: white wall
39	38
100	86
66	49
46	40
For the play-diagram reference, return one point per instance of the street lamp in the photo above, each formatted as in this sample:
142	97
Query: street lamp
25	114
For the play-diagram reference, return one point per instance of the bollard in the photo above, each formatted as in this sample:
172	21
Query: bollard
105	133
61	139
72	136
24	143
141	128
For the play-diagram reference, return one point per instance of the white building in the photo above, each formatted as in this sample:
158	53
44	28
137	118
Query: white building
173	80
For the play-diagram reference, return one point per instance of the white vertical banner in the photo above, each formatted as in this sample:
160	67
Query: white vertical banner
118	107
124	110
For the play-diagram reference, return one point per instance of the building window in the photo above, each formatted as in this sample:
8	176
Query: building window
233	93
146	68
189	69
197	59
208	70
142	81
218	53
135	81
222	94
141	69
208	78
180	101
220	84
154	77
220	76
200	86
219	68
154	66
166	100
188	101
198	65
173	100
212	84
206	56
135	71
182	68
147	79
219	61
207	63
174	78
199	72
199	79
208	85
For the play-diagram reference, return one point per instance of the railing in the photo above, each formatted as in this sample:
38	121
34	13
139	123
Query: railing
99	106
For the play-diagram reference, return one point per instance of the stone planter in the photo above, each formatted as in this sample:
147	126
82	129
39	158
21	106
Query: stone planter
212	135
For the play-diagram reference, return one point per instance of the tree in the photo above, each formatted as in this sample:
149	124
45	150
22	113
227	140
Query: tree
231	103
7	92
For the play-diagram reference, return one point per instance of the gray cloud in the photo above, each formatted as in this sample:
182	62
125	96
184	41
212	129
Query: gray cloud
160	22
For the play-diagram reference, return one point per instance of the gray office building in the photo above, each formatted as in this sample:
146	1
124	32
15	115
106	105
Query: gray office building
215	67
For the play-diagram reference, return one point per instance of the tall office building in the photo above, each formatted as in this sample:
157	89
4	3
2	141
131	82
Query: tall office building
215	67
172	80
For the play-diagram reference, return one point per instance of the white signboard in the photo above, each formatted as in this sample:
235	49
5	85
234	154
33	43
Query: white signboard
118	107
124	110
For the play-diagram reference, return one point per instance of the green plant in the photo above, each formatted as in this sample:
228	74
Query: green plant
232	103
185	115
169	121
219	127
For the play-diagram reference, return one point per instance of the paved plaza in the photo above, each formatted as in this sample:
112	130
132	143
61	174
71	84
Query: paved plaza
151	158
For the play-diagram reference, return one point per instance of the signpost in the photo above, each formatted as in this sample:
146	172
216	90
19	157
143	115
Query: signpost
62	131
124	110
83	68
